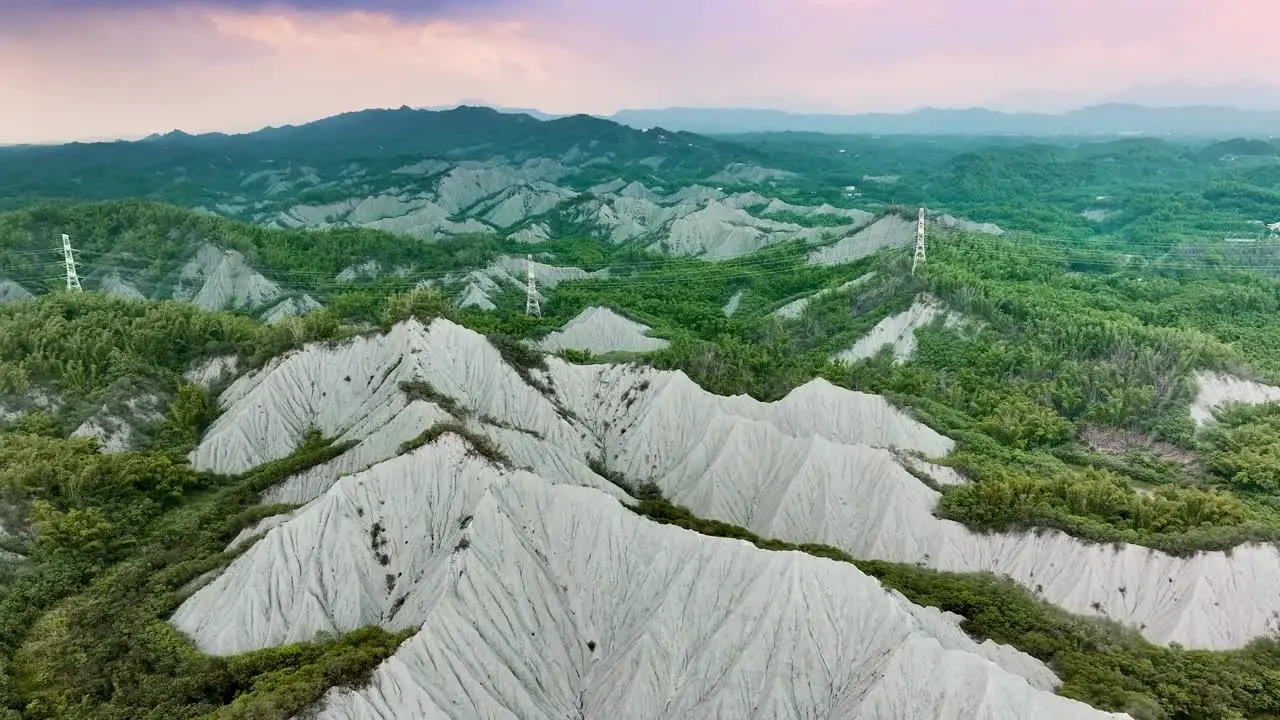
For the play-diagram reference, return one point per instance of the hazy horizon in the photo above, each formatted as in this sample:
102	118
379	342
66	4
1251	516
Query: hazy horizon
93	69
1008	108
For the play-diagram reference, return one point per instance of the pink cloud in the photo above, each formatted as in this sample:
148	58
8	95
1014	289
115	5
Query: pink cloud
130	72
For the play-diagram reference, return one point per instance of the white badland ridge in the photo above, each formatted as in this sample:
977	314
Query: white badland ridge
11	291
296	306
213	279
214	371
731	306
545	598
217	279
812	467
552	601
516	198
511	273
112	283
899	330
600	330
888	231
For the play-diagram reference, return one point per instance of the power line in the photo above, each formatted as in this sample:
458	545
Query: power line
1044	248
1120	244
782	268
1047	251
1039	249
737	277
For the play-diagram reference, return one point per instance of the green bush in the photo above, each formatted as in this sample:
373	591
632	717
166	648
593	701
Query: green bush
481	445
423	390
83	623
1244	448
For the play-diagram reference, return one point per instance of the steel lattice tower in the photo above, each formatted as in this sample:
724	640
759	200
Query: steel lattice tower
69	260
919	258
531	304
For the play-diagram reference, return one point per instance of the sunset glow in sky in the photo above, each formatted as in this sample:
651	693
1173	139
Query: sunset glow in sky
101	68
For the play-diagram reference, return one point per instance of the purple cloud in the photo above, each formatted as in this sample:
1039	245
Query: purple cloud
11	9
152	65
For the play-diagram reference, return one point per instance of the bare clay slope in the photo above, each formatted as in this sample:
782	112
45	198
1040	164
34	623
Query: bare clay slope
534	600
801	470
817	466
600	330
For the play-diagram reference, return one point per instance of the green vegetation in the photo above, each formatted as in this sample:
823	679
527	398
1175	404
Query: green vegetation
147	243
1244	449
116	540
110	541
313	161
1142	191
480	445
1102	505
81	351
1063	350
813	220
521	357
1087	321
423	390
84	343
1103	664
1070	336
1059	341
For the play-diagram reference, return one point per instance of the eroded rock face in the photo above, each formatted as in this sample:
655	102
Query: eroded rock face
731	306
550	600
817	466
131	407
11	291
113	283
1217	390
217	279
888	231
600	330
899	331
510	273
291	307
524	200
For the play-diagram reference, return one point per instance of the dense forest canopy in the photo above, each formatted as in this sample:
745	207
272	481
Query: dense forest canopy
1141	190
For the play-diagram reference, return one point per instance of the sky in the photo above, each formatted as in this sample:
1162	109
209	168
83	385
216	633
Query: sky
91	69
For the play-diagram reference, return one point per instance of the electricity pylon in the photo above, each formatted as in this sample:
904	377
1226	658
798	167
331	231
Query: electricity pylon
919	258
531	304
69	260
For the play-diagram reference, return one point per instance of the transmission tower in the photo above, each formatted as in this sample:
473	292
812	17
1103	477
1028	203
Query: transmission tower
69	259
919	258
531	304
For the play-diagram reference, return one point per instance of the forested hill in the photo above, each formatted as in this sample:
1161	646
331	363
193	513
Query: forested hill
1068	393
469	170
203	169
1056	427
1113	119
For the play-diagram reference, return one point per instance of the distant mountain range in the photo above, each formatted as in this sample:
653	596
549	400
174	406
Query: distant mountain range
1156	118
1111	119
1237	96
1243	96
